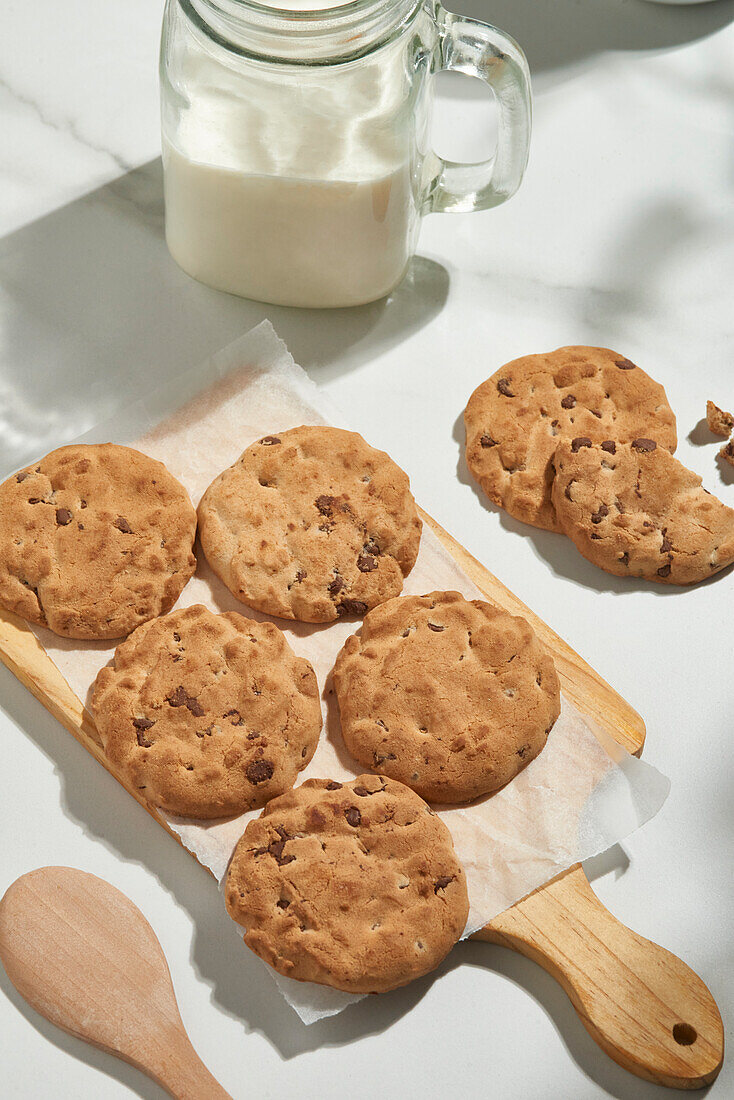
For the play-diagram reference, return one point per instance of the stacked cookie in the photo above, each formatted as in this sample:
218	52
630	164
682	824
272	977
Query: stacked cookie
581	441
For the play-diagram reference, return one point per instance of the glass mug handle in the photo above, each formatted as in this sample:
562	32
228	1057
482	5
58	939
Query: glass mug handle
478	49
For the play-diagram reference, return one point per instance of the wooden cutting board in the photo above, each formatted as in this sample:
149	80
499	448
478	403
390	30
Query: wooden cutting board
649	1011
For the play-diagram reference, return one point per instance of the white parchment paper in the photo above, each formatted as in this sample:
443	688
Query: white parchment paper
580	796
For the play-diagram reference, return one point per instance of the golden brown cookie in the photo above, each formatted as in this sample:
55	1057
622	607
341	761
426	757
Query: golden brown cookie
94	540
450	696
352	885
635	511
516	418
208	715
311	524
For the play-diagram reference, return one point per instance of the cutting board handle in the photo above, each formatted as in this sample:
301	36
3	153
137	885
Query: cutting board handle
649	1011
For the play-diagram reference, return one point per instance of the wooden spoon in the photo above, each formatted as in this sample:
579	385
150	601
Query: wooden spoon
86	958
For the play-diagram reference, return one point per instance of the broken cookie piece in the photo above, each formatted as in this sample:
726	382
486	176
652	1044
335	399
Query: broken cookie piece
727	452
719	422
638	512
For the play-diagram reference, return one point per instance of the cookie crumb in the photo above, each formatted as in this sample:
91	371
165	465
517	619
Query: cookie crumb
727	452
719	422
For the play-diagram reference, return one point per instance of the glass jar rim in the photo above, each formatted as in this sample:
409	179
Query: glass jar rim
333	34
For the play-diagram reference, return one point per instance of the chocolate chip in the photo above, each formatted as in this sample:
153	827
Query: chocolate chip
300	575
362	791
63	516
259	771
596	413
253	736
644	445
351	607
664	570
594	536
325	504
122	525
269	440
666	545
336	586
435	627
275	848
487	441
503	385
143	723
181	698
568	402
143	740
624	364
610	446
380	758
283	903
600	514
442	882
23	475
372	548
579	442
34	500
235	717
176	636
567	490
332	785
353	816
82	503
366	563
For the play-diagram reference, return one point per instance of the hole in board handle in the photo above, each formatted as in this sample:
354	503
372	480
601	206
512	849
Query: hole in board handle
684	1034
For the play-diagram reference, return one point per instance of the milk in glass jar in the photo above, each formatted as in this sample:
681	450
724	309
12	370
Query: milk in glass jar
296	153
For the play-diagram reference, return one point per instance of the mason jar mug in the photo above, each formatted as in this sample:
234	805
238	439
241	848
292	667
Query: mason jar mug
296	151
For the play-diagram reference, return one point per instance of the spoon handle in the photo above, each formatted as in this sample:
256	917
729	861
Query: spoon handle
176	1066
649	1011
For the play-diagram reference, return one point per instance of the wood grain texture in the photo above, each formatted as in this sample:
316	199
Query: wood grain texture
649	1011
85	957
558	925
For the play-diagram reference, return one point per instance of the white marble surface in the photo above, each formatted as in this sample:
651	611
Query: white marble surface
622	234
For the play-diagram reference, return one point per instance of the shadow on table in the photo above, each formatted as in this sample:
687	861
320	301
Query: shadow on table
99	314
558	33
239	982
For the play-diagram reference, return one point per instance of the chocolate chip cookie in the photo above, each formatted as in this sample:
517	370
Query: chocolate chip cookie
635	511
451	697
208	715
352	885
311	524
94	540
516	418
